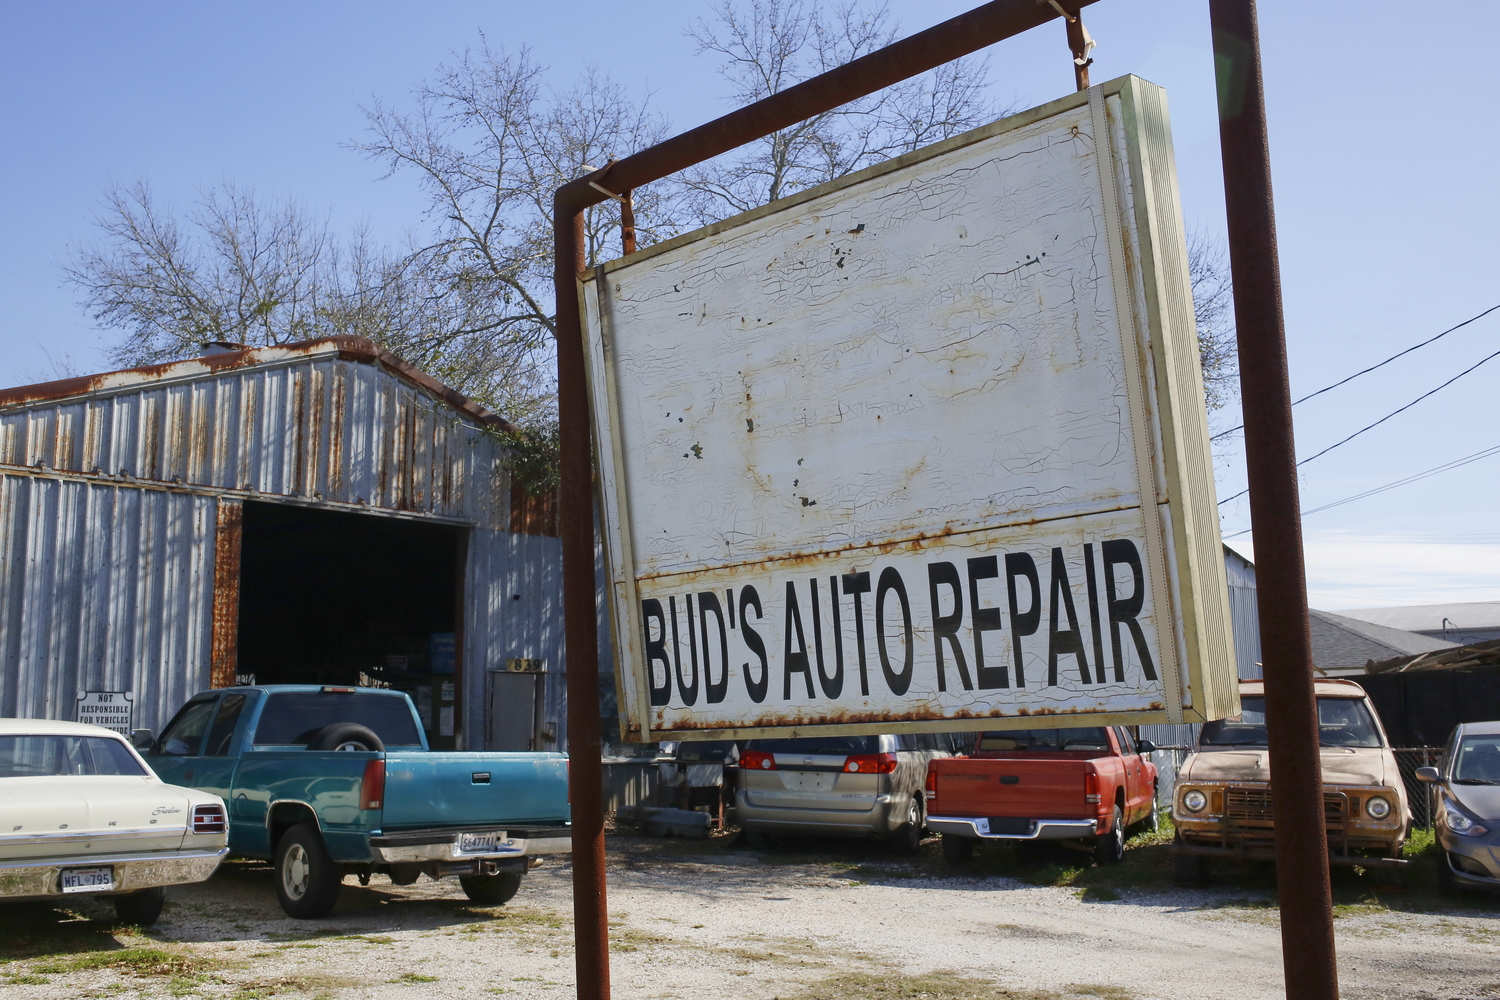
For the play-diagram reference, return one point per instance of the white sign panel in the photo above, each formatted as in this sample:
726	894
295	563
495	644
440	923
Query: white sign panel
922	448
110	709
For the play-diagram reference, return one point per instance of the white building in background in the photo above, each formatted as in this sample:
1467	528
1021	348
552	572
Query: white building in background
1456	624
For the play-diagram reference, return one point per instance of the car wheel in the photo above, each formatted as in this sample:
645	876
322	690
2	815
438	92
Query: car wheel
491	890
1188	869
908	839
957	850
142	907
1152	822
1109	849
345	736
307	879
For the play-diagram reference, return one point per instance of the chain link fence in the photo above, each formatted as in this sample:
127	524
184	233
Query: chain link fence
1408	759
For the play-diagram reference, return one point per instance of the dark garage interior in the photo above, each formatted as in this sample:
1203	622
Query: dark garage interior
335	598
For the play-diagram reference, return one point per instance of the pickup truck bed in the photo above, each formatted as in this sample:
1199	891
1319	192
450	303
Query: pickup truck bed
380	802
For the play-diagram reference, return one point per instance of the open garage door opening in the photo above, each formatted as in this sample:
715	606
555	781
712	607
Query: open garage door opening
336	598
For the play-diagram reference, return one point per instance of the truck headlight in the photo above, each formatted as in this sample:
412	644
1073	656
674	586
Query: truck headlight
1377	807
1194	801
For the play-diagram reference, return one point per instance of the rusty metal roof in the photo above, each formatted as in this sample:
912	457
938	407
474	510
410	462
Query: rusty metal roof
344	348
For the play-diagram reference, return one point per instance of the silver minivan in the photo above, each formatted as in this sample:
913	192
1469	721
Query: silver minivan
841	786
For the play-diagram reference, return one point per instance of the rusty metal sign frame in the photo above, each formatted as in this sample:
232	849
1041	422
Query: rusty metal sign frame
1306	906
1168	434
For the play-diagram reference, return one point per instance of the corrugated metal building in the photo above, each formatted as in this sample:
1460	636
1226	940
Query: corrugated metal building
310	512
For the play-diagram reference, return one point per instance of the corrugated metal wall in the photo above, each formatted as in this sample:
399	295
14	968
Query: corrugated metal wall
1244	613
318	428
105	588
108	517
513	600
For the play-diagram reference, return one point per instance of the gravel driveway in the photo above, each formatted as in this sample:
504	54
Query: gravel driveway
696	919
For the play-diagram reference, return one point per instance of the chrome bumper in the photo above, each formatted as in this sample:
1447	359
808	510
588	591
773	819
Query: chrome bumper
407	847
39	878
1041	829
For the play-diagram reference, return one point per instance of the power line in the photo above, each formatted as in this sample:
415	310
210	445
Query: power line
1446	467
1382	420
1367	371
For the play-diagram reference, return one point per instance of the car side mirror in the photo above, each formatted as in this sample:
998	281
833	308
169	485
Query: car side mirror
1145	746
1428	774
142	739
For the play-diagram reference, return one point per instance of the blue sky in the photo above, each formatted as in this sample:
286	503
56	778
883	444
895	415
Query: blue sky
1383	166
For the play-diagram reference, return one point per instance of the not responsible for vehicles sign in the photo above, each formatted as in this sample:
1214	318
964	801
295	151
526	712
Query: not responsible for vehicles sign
921	448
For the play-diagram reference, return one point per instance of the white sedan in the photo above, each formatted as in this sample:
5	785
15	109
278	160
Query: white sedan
80	812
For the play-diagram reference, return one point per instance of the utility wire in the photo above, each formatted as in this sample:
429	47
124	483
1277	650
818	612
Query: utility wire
1368	370
1446	467
1382	420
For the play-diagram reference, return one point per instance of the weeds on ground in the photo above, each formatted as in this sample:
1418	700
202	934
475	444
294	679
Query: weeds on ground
941	985
414	977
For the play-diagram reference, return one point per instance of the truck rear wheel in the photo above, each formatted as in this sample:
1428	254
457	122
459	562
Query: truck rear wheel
141	907
491	890
908	837
307	879
957	850
1109	849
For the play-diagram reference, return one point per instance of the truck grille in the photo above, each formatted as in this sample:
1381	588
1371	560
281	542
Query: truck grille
1253	806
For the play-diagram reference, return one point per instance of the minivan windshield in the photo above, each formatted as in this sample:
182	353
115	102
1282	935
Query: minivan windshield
839	746
1342	722
1078	738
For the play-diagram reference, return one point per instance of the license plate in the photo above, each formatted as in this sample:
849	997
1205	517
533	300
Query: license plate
88	879
807	781
480	843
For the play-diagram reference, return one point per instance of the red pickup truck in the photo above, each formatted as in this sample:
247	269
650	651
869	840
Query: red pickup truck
1084	785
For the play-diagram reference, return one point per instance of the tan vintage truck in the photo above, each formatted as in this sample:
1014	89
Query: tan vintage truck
1222	804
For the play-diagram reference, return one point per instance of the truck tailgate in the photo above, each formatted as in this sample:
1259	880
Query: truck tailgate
1035	789
424	790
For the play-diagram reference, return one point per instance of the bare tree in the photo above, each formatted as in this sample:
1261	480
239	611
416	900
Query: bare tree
1213	308
489	143
774	44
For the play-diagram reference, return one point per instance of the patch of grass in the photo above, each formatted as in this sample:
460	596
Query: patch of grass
940	985
414	977
22	979
140	961
634	940
315	987
368	938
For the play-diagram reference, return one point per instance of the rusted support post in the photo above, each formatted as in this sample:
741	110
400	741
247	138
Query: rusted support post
580	631
1291	711
1079	45
627	222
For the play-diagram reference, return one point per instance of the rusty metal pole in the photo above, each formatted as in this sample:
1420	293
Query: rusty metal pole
1078	45
581	634
1302	880
627	222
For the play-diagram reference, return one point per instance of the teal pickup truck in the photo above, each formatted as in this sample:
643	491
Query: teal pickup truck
327	782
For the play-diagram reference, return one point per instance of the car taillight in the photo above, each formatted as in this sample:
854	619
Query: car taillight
208	819
931	785
1091	788
757	760
372	785
871	763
